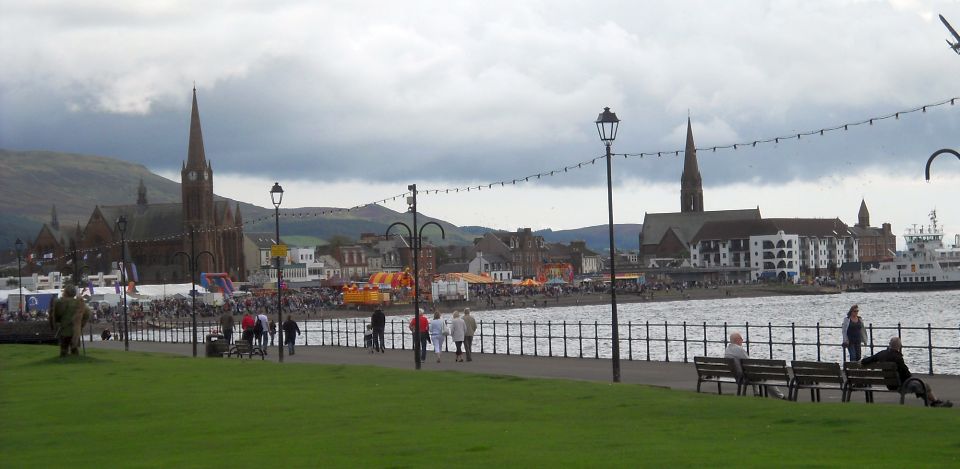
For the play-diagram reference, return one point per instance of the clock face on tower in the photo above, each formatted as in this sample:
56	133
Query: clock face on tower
206	175
192	175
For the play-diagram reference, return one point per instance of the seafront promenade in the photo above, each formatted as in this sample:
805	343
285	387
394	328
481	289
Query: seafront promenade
678	376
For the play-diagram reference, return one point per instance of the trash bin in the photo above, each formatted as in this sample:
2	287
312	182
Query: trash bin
216	345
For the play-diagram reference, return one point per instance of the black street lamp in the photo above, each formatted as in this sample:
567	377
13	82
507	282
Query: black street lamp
276	196
935	155
19	247
122	228
415	248
193	261
607	124
77	269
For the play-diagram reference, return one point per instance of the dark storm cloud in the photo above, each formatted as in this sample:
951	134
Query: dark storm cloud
471	93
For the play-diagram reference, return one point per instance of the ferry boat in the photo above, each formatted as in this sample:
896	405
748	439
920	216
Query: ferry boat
927	264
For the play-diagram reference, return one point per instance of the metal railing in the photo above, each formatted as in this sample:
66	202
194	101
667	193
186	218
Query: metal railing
647	341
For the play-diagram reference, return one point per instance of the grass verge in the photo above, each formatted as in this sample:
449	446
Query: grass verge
115	409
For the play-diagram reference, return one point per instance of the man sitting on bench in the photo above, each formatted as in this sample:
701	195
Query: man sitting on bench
736	352
894	355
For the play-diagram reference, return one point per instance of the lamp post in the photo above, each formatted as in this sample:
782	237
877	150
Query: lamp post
415	248
276	196
935	155
122	228
77	268
193	259
19	247
607	124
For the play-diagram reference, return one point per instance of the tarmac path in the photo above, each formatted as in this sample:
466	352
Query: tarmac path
678	376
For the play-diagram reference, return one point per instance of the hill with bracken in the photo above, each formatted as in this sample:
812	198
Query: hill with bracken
35	181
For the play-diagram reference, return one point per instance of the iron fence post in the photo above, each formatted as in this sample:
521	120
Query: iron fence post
930	348
793	339
770	338
746	328
630	339
666	342
818	340
535	352
647	337
685	342
704	338
580	337
596	339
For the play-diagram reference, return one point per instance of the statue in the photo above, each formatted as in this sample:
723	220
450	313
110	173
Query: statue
68	315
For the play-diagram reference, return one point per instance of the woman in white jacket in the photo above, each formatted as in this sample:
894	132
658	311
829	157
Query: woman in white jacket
436	334
457	330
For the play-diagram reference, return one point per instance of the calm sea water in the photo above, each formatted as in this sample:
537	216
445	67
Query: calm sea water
783	327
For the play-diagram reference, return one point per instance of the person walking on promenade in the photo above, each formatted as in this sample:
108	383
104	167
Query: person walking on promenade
379	323
226	326
273	331
424	333
436	334
68	315
260	330
853	333
457	330
290	332
247	324
470	327
736	352
894	354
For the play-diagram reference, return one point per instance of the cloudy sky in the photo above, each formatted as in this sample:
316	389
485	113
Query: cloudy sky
349	102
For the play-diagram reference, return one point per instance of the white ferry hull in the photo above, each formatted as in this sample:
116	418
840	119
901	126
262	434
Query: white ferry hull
906	286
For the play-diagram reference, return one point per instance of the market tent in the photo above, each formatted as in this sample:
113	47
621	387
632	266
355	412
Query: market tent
467	277
556	281
394	279
529	283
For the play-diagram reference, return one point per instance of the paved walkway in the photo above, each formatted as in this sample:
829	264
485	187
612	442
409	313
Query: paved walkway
681	376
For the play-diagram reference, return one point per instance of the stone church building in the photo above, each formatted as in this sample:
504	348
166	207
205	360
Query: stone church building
155	232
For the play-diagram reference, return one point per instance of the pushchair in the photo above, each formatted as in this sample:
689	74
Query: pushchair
368	338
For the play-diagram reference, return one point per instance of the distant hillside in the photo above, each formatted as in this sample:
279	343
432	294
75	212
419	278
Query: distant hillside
34	181
625	235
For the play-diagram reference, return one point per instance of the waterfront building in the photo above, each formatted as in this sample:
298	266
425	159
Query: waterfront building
155	232
666	237
875	244
492	265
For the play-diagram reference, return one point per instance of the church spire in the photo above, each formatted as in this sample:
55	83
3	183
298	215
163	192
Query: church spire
142	194
196	159
864	215
54	221
691	184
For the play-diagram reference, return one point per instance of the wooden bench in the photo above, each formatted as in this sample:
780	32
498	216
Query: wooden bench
716	370
763	373
878	377
243	347
815	376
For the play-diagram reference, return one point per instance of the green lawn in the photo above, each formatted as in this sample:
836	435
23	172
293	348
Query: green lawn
114	409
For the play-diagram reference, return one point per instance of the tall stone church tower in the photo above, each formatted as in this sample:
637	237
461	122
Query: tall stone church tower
863	217
691	184
196	186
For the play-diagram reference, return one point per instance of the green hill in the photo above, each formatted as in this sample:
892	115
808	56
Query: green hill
34	181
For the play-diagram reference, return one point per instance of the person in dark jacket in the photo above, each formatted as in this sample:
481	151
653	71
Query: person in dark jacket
379	323
894	355
290	332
